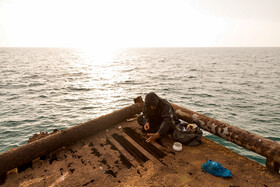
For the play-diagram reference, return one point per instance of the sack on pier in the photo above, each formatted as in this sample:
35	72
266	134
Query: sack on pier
188	134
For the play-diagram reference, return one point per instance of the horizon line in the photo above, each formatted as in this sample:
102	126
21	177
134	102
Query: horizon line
79	47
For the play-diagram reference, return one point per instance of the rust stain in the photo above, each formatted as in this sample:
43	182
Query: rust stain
28	152
250	141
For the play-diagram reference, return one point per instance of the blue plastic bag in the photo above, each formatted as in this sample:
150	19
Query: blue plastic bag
216	169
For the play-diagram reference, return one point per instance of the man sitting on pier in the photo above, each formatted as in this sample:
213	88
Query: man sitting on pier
158	117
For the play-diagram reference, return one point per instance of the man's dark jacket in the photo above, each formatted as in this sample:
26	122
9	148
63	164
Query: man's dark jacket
163	117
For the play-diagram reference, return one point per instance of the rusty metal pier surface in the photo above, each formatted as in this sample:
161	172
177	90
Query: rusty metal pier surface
113	152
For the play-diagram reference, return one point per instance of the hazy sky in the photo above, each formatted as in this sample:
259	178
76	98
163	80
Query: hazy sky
139	23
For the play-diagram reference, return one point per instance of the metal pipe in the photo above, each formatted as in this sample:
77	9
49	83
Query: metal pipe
28	152
265	147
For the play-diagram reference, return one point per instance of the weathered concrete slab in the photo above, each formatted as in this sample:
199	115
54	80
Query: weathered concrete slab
95	161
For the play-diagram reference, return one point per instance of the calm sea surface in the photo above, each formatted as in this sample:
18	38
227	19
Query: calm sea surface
42	89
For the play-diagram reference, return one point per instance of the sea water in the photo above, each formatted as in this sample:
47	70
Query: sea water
42	89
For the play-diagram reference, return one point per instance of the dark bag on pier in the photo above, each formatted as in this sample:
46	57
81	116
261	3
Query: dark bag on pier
188	134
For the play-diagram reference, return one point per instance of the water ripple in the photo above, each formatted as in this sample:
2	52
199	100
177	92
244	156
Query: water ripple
46	89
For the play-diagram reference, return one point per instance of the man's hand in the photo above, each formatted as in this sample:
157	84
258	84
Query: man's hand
153	137
147	126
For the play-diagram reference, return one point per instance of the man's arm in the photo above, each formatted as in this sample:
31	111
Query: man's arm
167	116
167	122
145	115
146	119
164	127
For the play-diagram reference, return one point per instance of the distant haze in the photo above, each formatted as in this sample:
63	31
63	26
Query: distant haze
139	23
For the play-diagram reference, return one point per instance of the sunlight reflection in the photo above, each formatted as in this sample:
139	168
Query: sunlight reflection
99	55
101	72
98	63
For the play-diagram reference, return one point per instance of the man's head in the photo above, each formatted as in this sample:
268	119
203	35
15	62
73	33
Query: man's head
151	100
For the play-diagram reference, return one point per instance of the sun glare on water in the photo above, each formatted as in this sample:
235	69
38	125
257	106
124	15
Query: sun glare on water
98	64
99	55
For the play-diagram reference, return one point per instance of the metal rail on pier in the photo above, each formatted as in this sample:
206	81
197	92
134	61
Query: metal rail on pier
28	152
265	147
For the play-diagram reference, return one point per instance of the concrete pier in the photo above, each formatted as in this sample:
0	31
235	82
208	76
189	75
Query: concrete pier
116	155
103	159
